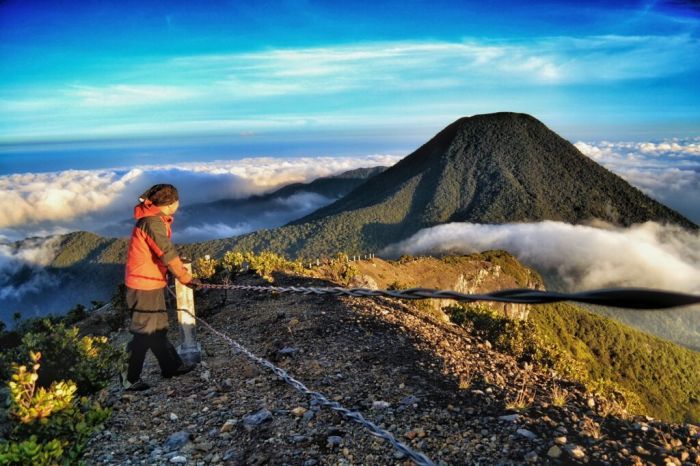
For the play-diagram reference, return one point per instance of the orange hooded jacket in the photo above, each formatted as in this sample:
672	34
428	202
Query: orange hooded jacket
151	252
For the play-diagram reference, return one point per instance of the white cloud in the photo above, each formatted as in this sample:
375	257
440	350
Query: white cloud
269	215
90	199
212	230
668	171
22	267
304	202
691	148
583	257
554	60
127	95
32	198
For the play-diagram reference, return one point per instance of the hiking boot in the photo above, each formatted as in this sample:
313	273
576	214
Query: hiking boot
183	369
137	386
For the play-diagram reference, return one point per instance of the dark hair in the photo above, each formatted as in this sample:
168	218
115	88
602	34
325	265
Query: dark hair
161	194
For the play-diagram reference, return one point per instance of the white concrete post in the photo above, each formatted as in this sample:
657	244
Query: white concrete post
189	350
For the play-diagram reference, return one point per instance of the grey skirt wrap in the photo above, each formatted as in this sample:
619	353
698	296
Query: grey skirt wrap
152	303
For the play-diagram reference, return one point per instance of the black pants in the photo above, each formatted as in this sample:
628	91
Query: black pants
158	342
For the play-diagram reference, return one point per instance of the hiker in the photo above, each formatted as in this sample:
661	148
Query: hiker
150	256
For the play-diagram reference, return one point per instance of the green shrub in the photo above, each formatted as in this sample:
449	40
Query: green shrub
515	337
267	262
232	264
30	404
341	270
31	451
89	361
75	315
205	267
49	425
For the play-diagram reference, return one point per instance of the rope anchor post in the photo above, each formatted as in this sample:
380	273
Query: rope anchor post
189	350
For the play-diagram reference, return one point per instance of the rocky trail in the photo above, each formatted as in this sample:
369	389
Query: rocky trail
437	387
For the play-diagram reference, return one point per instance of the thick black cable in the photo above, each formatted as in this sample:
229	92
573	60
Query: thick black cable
631	298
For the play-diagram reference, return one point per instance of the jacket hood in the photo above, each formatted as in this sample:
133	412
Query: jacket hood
148	209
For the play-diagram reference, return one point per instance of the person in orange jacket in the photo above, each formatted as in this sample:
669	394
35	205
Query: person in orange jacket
150	256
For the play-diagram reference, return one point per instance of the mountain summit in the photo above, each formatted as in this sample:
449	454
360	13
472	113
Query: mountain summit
495	168
504	167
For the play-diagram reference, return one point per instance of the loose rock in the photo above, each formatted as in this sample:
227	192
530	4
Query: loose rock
554	452
177	440
257	419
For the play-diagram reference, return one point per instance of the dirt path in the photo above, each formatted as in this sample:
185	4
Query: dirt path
435	386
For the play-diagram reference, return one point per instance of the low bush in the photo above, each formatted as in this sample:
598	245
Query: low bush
232	264
341	270
236	262
49	425
516	337
267	262
89	361
205	267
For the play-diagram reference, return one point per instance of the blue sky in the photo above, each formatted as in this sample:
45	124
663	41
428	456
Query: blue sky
392	73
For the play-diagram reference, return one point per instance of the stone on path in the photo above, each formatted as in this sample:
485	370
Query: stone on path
177	440
254	420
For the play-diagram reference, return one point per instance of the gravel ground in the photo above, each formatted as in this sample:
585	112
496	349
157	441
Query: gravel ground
438	388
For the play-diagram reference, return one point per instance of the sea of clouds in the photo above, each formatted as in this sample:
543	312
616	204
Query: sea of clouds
582	256
28	260
668	171
42	204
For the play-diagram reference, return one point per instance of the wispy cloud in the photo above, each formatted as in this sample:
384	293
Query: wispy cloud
22	268
371	80
123	95
556	60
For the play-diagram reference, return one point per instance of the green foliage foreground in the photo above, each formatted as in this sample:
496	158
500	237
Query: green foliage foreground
638	372
49	423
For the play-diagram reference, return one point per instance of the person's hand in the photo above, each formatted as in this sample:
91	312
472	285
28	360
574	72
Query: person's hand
195	283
